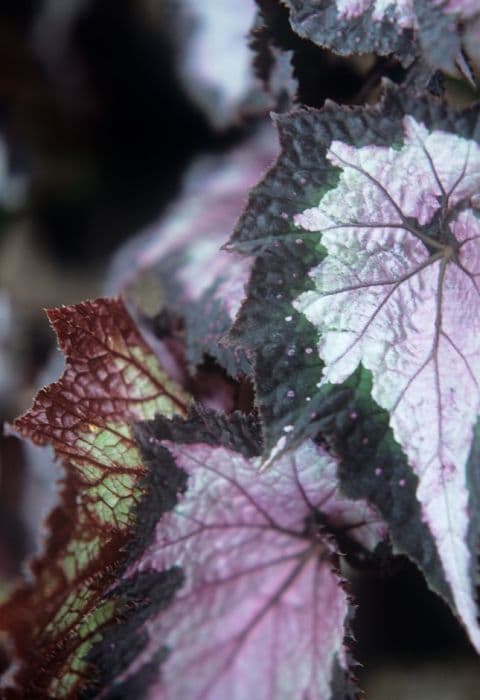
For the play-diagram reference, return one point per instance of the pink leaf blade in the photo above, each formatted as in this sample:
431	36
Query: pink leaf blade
262	608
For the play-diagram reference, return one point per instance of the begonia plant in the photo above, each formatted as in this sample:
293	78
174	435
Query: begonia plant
303	393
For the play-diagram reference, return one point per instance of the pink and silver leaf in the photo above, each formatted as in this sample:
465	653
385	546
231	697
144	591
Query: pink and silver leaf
263	610
367	235
406	306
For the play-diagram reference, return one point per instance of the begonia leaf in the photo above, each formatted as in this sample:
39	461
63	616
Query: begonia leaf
402	27
180	257
262	611
111	378
363	311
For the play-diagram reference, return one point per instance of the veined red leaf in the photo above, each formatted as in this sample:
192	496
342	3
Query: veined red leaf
111	378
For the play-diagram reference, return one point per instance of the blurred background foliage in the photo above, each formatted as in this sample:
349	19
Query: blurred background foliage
103	106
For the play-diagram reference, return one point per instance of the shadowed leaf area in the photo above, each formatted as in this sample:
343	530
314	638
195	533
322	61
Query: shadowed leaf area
111	379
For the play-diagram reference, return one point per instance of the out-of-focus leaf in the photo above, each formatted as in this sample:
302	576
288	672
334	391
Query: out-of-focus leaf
273	65
12	184
179	262
214	59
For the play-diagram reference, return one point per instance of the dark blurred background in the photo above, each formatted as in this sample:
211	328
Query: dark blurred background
97	127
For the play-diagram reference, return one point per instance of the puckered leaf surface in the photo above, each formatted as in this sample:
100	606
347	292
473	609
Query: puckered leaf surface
368	228
401	27
262	611
181	256
111	378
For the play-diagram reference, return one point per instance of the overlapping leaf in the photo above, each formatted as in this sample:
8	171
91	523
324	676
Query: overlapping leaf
111	378
180	258
262	611
400	27
369	235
